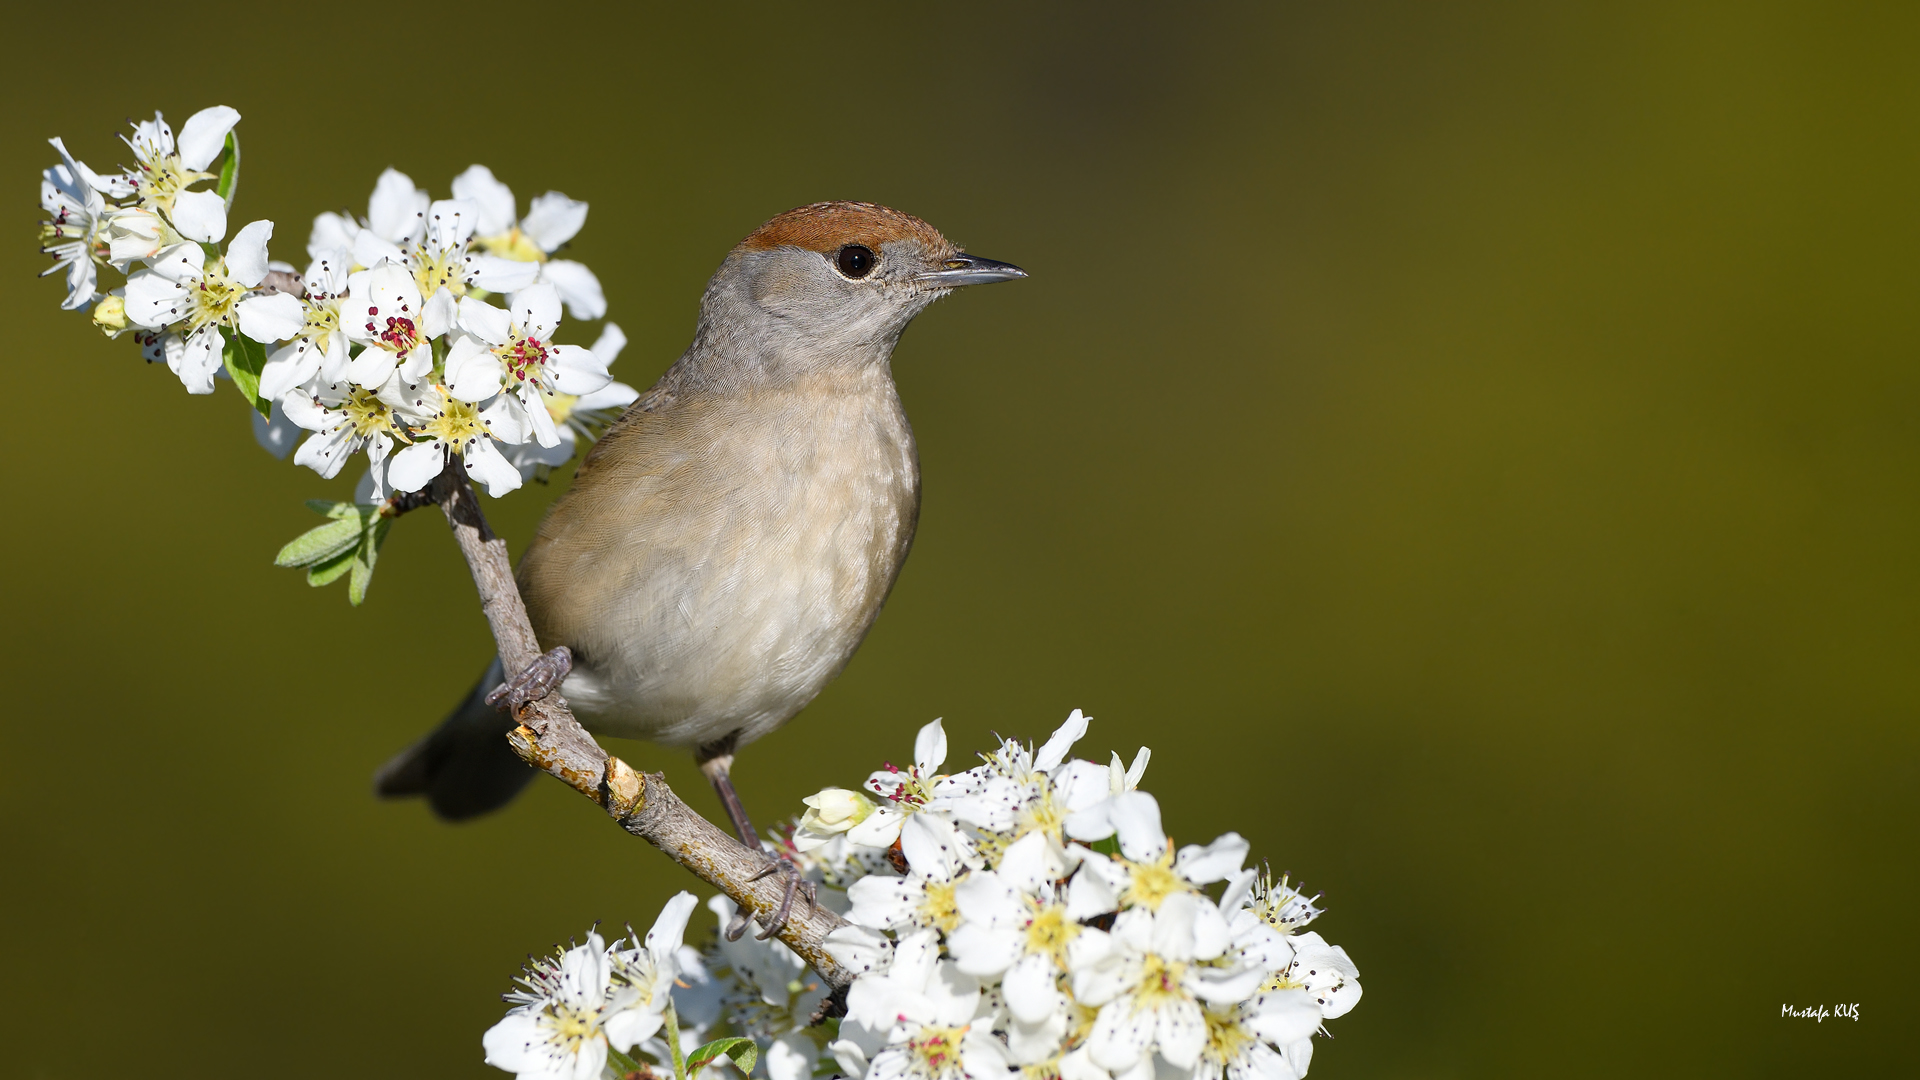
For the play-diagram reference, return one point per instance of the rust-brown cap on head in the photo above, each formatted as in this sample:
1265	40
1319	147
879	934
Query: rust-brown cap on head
830	226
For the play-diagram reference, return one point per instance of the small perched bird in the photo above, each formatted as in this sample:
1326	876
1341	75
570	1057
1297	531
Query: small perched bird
729	541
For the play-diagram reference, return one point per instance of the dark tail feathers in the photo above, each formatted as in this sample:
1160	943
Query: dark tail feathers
464	767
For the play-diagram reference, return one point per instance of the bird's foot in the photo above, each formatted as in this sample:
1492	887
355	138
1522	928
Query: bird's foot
796	885
537	681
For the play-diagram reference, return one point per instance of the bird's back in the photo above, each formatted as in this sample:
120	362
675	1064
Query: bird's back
720	555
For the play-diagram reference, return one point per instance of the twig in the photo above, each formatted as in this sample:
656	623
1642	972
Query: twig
550	739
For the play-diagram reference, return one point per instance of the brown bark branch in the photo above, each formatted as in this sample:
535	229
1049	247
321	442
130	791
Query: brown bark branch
549	738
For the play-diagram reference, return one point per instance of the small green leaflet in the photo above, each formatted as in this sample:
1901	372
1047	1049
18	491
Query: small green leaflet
245	358
624	1064
348	545
229	169
742	1051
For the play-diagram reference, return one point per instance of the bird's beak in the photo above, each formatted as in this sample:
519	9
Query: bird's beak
963	269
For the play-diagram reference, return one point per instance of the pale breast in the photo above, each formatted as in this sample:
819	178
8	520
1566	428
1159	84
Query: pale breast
721	559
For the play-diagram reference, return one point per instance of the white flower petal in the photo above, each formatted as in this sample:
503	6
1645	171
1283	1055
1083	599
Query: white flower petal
978	950
268	319
397	210
204	135
1055	751
1030	990
331	232
608	345
933	847
488	467
473	370
850	1058
578	288
630	1026
1182	1032
436	315
417	363
553	219
486	322
1121	1035
575	370
663	940
153	301
930	748
859	949
370	249
450	223
493	199
540	421
416	466
536	309
1215	862
195	361
614	395
200	215
371	368
880	830
1136	819
495	274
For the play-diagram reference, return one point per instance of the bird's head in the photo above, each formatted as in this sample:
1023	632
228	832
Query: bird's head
836	282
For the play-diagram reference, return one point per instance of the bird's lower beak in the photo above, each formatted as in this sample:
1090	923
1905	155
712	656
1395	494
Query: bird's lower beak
963	269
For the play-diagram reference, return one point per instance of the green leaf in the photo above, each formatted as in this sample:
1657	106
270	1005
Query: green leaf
331	509
331	571
319	544
742	1051
229	180
1109	846
361	578
245	357
364	559
623	1063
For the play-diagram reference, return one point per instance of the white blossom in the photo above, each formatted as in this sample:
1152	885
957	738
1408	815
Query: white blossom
512	353
907	791
1147	978
191	299
456	429
319	348
575	1006
347	418
162	168
552	220
577	418
385	313
75	233
927	1007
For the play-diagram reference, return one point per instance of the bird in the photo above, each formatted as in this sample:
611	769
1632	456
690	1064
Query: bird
730	539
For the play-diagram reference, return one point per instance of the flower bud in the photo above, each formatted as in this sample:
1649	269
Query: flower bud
834	810
110	315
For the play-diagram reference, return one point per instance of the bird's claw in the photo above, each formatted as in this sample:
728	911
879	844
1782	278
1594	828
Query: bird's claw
537	681
797	885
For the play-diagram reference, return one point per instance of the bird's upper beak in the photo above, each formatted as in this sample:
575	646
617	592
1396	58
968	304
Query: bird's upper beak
961	268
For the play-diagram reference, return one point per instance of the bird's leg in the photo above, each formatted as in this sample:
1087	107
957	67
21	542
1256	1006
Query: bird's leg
718	765
546	672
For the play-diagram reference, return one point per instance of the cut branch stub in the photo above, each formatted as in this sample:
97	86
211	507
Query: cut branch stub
550	739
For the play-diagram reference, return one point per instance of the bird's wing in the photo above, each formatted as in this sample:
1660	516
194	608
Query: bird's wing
659	397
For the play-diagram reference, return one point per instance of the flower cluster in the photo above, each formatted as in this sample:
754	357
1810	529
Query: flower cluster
1026	919
387	344
579	1004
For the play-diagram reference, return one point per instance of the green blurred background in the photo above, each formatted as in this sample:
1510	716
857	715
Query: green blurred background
1473	445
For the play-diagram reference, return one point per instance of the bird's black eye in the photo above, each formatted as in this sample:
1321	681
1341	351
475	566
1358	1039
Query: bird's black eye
856	261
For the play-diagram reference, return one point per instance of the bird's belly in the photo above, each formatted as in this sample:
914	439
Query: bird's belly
727	617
